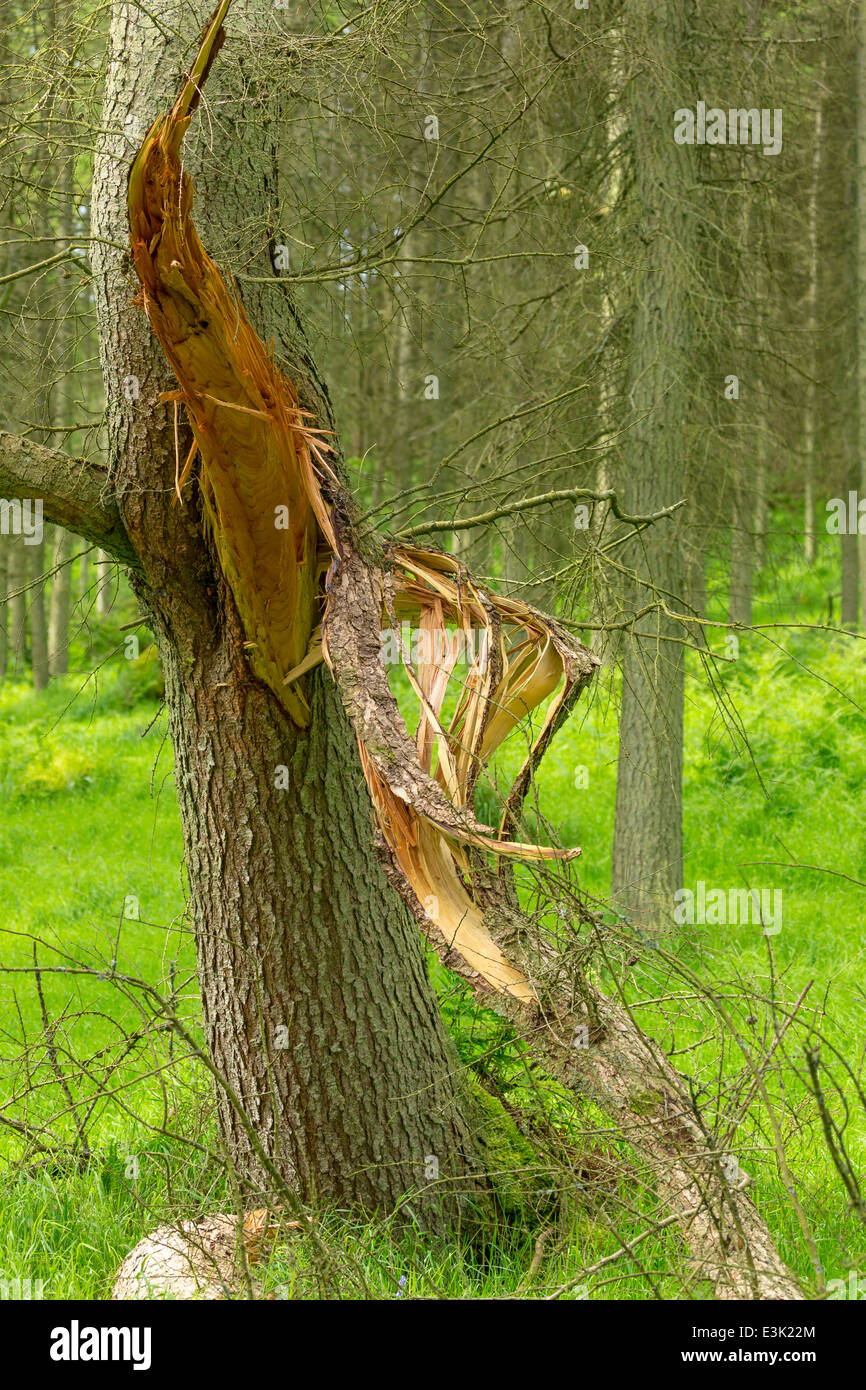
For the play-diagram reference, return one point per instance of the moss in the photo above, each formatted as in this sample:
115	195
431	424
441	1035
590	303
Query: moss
645	1103
507	1157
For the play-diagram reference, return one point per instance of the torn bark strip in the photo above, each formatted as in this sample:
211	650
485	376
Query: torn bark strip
425	816
261	462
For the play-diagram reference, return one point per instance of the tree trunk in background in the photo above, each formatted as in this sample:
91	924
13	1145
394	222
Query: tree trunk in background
850	568
103	568
841	293
861	281
742	552
747	523
67	353
647	849
4	606
750	295
61	599
810	413
761	507
296	927
38	628
606	596
17	580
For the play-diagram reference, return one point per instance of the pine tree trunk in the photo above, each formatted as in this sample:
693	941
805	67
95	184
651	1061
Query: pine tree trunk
104	570
61	599
314	986
811	406
742	552
647	849
761	506
4	606
17	581
861	280
295	925
38	629
850	574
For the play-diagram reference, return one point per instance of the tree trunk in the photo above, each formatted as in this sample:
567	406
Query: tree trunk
810	414
103	569
761	505
742	551
17	582
296	926
861	281
850	567
61	599
38	630
751	293
647	849
4	606
314	986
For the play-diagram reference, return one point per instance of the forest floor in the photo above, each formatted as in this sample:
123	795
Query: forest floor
89	831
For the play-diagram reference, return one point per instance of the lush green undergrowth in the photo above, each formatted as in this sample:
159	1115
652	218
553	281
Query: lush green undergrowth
91	866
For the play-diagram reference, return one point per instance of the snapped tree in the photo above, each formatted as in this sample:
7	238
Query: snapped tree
223	495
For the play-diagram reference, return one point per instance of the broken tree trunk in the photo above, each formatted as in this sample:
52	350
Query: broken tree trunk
317	1007
281	524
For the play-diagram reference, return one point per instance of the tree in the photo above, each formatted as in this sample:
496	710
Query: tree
861	290
299	936
61	599
647	854
320	1019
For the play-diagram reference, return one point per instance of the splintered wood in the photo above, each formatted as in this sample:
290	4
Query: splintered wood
272	502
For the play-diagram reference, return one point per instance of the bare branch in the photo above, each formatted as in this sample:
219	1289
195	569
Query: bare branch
566	494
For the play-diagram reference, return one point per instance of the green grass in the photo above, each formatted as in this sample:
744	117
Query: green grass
89	818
